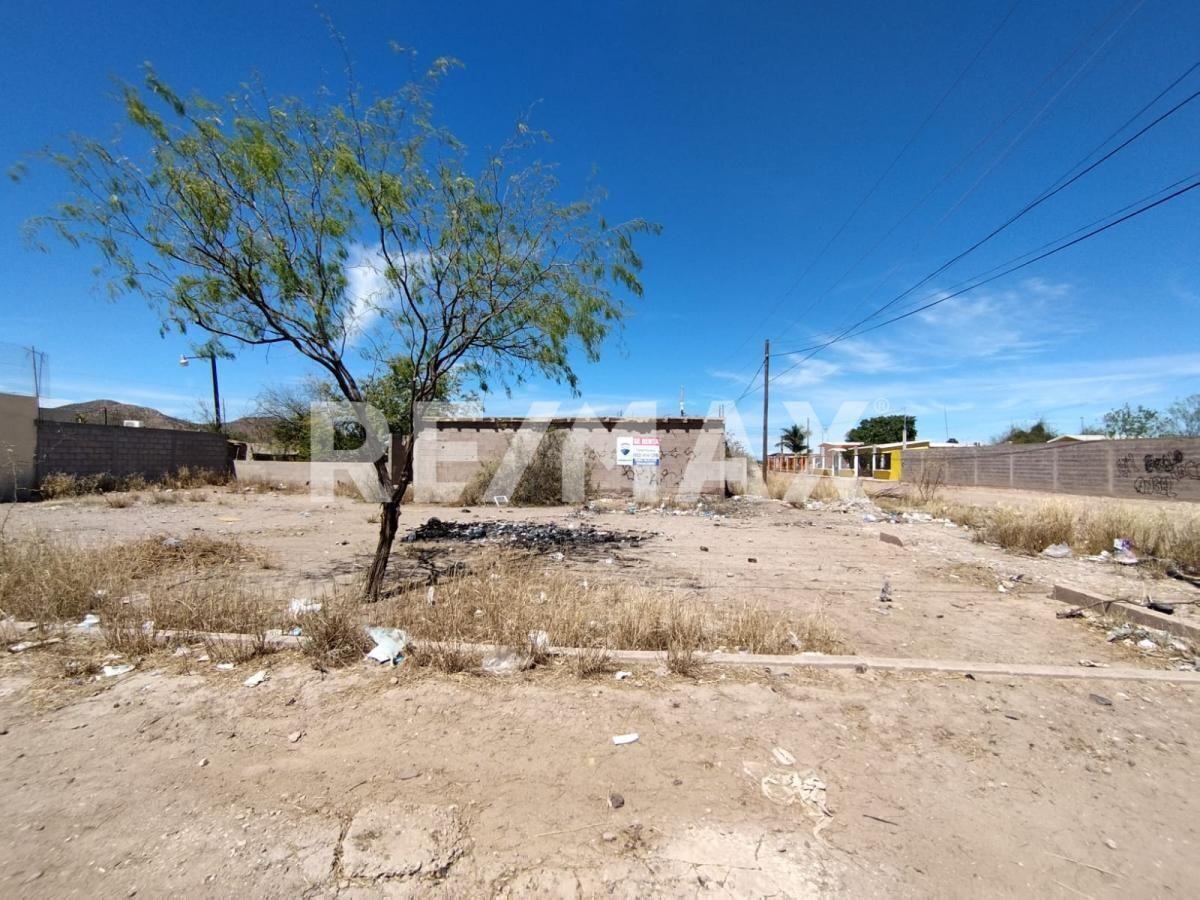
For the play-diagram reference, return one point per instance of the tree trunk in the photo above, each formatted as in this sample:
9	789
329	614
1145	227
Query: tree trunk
389	519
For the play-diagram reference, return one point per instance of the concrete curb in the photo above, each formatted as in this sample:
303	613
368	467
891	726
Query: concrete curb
280	641
1120	609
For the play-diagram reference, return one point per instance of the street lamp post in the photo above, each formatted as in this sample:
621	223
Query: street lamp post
212	358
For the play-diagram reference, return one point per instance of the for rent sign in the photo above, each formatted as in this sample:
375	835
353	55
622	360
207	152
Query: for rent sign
638	450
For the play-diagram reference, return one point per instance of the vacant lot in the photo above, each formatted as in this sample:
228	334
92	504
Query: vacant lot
373	781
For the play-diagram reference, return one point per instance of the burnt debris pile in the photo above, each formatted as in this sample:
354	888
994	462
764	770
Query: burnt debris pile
537	535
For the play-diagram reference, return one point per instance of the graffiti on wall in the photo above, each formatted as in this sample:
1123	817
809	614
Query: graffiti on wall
1158	474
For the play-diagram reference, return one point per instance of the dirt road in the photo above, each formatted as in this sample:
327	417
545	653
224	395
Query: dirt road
369	781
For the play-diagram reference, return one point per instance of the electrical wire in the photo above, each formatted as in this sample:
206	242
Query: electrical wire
886	172
1008	271
975	149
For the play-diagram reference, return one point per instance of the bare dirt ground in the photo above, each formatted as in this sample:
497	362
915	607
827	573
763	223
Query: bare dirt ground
369	781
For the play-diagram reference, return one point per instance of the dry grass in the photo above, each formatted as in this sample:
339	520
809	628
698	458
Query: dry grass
334	635
1166	535
1089	528
590	662
507	596
798	487
449	657
57	485
192	585
348	490
540	482
256	485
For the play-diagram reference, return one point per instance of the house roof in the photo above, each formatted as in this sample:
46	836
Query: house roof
1077	438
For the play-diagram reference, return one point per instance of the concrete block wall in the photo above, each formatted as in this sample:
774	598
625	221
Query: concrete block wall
79	449
1153	468
449	452
320	477
18	446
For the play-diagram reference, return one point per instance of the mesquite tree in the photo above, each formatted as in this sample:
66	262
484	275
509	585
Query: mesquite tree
247	218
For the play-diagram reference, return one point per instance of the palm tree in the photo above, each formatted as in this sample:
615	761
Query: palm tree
794	439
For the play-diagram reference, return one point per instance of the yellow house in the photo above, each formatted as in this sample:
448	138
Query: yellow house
884	462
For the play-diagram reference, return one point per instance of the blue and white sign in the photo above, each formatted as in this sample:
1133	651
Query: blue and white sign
638	450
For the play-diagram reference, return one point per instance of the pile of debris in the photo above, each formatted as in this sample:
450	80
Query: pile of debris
537	535
1151	640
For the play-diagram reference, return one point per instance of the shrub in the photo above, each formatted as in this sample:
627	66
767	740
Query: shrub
540	484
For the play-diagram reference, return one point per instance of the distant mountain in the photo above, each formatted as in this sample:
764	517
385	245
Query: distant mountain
255	429
100	412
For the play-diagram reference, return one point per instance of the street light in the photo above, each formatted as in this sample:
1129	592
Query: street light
212	358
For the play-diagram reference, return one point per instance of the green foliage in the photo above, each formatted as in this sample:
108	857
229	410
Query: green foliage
391	392
243	218
1037	433
1185	416
1126	422
794	439
883	430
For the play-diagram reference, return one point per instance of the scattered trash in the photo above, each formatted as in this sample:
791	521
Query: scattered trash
1147	644
1057	551
182	651
390	644
557	556
1076	613
31	645
500	500
430	596
506	662
608	837
1123	552
539	641
1100	700
115	671
90	621
172	542
751	559
615	800
1159	606
1120	632
783	757
256	679
1110	843
302	606
203	762
295	736
703	549
621	676
541	535
890	539
1092	664
620	739
885	592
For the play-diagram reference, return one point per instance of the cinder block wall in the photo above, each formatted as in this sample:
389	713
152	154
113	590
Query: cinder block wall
448	454
152	452
1154	469
18	446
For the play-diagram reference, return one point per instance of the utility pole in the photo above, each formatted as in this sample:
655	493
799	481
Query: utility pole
37	377
766	400
216	392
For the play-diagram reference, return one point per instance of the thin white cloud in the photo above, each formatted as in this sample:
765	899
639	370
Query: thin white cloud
368	289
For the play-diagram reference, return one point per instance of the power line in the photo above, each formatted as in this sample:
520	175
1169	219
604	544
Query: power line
1021	256
1055	188
753	378
1008	271
887	171
975	149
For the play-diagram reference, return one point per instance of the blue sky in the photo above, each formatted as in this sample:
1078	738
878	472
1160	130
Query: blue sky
750	132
